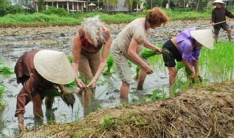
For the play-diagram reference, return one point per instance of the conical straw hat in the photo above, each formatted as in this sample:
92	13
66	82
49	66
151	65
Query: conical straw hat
54	66
218	1
204	37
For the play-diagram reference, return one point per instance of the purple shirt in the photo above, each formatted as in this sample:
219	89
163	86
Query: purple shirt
186	46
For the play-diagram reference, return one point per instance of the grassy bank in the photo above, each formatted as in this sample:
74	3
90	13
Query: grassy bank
50	19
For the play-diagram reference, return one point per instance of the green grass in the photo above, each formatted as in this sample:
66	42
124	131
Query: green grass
3	103
40	19
218	64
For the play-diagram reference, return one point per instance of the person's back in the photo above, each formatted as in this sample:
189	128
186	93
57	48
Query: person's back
136	30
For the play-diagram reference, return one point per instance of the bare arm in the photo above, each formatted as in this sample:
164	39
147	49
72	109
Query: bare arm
62	89
196	67
133	54
188	66
76	50
152	47
105	53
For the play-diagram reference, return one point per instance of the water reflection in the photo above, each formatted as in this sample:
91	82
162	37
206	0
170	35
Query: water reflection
89	102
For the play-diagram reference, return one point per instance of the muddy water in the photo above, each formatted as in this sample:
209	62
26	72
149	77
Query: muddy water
15	41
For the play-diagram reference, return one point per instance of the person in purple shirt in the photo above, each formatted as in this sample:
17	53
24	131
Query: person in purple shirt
218	19
186	48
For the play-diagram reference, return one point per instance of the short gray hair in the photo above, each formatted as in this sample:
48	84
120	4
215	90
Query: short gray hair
93	27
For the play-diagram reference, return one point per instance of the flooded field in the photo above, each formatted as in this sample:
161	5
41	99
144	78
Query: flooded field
15	41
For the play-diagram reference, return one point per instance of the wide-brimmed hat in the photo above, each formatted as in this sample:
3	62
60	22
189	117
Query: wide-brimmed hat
54	66
218	1
204	37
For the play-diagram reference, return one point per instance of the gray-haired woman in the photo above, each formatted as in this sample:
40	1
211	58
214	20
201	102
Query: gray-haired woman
86	51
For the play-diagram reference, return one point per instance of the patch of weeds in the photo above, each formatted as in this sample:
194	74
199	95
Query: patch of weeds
156	95
107	124
3	102
5	70
138	120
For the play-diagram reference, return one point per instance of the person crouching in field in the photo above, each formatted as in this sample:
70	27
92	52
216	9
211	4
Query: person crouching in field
128	44
218	19
39	71
186	48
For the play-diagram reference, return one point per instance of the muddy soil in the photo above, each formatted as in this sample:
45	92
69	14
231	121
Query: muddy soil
202	112
15	41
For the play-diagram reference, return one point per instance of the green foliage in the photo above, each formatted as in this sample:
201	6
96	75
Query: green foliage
57	11
3	103
40	5
5	70
4	4
36	19
156	95
218	64
107	124
146	53
54	16
11	9
110	63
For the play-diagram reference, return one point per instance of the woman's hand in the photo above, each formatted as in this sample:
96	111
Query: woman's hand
193	75
79	83
92	83
158	50
147	69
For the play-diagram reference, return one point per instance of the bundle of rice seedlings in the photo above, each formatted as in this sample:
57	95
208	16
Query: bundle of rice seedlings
69	99
180	65
147	53
110	63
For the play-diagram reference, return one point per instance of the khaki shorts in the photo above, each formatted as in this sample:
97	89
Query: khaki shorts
123	69
88	65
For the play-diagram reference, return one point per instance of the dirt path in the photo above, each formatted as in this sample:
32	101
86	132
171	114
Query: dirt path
201	112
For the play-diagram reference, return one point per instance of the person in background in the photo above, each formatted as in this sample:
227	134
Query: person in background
186	48
128	44
90	51
39	71
218	19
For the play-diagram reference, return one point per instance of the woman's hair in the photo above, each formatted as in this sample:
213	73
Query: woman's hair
93	27
157	16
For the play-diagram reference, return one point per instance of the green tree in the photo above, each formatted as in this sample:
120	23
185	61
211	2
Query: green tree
4	4
40	5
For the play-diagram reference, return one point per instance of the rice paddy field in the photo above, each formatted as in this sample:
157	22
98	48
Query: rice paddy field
216	68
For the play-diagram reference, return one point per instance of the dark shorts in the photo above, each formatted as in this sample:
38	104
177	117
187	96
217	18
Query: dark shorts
217	28
169	59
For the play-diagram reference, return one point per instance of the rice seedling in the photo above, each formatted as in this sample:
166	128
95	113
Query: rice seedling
218	64
3	102
68	98
107	124
5	70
